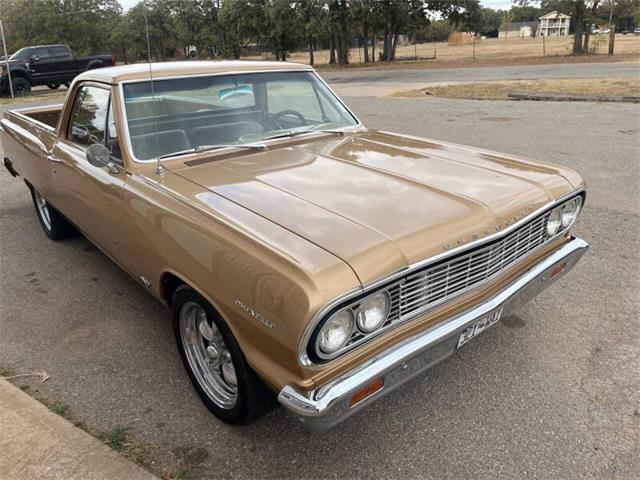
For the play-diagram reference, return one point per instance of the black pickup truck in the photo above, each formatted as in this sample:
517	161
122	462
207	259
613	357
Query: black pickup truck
51	65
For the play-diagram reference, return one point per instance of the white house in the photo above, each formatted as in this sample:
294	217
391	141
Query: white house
554	24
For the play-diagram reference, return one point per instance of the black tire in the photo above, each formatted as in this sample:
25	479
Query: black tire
53	86
253	397
56	227
66	84
21	86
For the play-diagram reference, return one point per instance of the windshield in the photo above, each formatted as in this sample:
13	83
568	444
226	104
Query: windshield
21	54
197	113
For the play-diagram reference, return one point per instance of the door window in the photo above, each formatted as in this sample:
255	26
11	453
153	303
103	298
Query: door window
42	53
89	116
60	52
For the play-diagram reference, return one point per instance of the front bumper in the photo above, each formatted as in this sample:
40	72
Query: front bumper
325	407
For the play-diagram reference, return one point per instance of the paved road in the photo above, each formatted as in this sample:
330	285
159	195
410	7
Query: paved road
519	72
550	393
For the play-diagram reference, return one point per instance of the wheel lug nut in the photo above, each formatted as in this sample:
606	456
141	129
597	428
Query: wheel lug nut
212	352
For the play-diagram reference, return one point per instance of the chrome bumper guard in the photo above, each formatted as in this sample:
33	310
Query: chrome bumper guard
329	405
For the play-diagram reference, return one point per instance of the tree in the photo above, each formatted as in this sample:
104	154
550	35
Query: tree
82	24
507	19
490	21
283	26
364	18
241	21
314	19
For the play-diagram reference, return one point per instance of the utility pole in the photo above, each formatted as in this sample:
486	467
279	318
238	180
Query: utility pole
6	58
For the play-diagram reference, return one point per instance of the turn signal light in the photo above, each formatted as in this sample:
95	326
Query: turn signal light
558	269
366	392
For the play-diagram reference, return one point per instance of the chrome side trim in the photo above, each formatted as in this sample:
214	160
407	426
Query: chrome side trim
304	359
127	137
328	405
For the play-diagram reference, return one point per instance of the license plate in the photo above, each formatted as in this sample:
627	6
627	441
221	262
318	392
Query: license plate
479	326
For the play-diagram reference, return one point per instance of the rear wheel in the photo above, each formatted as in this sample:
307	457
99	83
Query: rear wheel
21	86
227	385
54	225
53	86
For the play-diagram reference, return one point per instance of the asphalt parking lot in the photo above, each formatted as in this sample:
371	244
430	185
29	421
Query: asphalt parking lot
553	392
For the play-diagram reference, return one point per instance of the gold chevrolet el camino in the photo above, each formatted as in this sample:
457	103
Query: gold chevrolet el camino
300	252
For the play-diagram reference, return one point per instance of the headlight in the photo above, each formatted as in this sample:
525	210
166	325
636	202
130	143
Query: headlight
563	216
372	312
554	222
336	331
570	211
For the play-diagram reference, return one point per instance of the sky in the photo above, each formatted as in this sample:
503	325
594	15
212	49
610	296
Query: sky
495	4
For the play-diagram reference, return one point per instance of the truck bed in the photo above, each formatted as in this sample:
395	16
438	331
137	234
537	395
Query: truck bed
48	115
28	135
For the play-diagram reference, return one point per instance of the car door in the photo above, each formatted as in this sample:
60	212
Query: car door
40	65
63	64
90	196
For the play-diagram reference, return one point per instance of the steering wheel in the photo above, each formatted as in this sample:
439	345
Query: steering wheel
282	113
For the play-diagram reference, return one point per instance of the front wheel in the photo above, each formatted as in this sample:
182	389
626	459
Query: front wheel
53	86
54	225
21	86
227	385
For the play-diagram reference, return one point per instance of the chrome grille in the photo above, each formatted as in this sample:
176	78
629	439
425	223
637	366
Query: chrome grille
442	281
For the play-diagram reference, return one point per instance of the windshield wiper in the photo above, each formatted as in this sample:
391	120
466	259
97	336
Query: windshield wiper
207	148
293	133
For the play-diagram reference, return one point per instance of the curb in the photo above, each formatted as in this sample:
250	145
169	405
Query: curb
37	443
562	97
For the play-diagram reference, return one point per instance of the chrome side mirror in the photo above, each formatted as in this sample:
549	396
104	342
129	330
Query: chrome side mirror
98	155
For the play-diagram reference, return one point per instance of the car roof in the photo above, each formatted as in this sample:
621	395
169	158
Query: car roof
140	71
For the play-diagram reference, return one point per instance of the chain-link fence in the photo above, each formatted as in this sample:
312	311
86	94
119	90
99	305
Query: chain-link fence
482	50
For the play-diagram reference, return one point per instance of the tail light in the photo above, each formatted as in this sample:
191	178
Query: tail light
113	59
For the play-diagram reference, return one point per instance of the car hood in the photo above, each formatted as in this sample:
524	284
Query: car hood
379	201
12	63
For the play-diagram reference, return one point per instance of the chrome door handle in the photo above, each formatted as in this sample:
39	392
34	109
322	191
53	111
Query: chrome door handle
53	158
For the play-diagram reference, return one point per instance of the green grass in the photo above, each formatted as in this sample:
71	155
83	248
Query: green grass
59	407
183	473
116	438
39	96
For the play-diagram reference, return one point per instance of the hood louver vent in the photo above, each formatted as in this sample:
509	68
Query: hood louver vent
212	157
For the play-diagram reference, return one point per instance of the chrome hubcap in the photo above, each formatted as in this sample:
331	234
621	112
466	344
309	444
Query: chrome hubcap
208	356
43	210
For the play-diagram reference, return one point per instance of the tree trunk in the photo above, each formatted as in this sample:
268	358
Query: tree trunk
587	35
385	41
394	43
365	33
332	54
311	50
373	46
612	38
579	19
343	36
